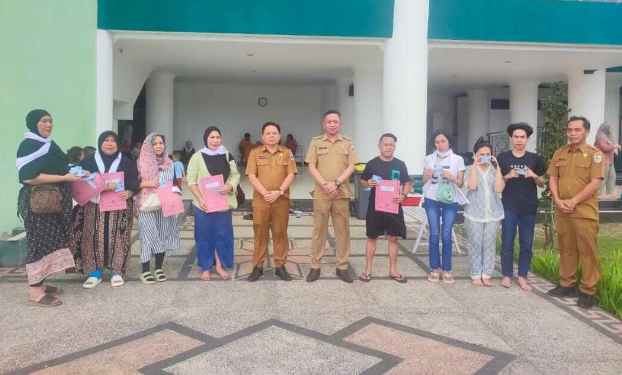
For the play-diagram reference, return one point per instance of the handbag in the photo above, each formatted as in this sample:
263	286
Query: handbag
45	199
152	203
239	193
446	192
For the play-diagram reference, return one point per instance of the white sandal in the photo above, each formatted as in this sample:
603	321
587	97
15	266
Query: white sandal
91	282
116	280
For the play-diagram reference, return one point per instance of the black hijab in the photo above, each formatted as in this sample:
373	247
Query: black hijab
216	164
108	159
54	162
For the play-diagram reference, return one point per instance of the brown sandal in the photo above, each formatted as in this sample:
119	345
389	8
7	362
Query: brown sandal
53	290
47	300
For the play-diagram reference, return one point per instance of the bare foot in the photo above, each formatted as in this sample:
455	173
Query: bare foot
222	273
477	282
506	282
523	285
205	276
487	282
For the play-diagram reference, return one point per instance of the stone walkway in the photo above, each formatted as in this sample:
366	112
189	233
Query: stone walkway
186	326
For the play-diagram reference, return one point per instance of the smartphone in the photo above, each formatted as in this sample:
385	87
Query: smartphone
521	171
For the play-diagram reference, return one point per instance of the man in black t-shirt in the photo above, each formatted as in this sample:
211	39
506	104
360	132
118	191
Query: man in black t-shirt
378	223
522	172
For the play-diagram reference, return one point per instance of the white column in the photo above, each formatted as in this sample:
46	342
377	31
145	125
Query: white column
345	105
368	111
612	102
160	106
103	110
479	112
524	107
406	82
586	97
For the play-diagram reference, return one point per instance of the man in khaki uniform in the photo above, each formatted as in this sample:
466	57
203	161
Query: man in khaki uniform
331	158
575	174
271	169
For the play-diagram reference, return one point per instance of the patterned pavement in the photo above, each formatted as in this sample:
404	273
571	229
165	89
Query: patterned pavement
186	326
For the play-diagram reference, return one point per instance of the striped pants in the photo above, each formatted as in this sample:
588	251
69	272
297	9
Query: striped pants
482	245
158	234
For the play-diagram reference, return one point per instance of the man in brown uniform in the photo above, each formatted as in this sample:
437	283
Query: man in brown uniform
575	174
271	169
331	158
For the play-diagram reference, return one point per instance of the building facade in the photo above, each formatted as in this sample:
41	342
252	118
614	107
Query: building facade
402	66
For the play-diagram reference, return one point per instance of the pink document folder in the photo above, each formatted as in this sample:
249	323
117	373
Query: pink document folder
82	191
386	192
109	200
210	189
170	200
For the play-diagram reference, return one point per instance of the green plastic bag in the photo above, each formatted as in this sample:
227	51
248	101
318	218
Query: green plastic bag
446	192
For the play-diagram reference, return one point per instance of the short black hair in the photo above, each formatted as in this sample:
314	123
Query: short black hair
520	125
480	144
270	123
247	135
442	132
390	135
89	150
586	122
331	112
73	154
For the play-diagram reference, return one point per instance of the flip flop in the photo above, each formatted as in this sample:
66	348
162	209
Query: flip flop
47	300
147	278
116	281
399	278
53	290
159	275
91	282
365	277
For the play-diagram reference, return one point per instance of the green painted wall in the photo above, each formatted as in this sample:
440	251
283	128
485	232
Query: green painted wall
537	21
335	18
48	61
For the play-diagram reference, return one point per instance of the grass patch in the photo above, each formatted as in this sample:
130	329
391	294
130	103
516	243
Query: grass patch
609	289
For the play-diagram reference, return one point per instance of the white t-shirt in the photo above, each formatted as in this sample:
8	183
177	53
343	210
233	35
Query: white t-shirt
453	161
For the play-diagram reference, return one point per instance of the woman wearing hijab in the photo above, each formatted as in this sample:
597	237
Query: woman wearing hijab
41	164
102	239
159	235
213	232
605	142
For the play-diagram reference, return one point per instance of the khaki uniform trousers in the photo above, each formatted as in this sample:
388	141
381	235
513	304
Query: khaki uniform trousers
275	219
577	241
339	211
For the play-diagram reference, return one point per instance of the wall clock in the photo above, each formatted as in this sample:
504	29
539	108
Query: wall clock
262	102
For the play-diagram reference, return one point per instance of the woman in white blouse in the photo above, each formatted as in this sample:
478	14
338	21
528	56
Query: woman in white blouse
484	212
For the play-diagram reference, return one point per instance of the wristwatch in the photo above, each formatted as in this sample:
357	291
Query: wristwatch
337	183
281	192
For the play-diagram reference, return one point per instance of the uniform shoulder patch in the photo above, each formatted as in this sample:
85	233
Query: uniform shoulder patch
291	155
347	138
317	137
597	158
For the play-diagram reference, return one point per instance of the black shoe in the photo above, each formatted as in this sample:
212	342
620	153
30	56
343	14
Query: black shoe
585	301
256	274
313	275
563	291
282	273
248	217
344	276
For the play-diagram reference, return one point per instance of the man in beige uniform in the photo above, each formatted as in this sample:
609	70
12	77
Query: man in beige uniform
271	169
575	174
331	158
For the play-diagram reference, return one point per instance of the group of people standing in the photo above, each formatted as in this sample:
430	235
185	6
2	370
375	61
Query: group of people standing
99	240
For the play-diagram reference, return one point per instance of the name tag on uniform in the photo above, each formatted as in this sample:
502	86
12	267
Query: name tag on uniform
263	157
322	148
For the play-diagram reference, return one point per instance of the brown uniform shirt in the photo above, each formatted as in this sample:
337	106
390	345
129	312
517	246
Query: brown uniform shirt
331	159
575	170
271	170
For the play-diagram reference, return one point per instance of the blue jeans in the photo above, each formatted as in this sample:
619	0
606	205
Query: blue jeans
526	224
435	211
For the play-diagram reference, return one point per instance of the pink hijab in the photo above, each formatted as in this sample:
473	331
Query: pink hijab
149	165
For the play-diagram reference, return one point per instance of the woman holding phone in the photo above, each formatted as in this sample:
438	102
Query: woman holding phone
484	213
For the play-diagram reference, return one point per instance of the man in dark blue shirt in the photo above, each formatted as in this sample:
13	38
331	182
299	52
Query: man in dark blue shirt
522	172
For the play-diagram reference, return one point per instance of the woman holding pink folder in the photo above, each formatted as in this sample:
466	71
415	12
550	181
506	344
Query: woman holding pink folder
213	231
159	235
101	237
